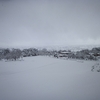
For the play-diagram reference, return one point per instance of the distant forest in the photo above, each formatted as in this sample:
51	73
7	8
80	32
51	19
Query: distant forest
16	54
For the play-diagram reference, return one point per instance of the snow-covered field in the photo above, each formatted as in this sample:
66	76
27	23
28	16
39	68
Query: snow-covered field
45	78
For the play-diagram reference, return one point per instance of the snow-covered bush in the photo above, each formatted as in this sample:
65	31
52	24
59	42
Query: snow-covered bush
13	55
1	56
30	52
16	54
96	67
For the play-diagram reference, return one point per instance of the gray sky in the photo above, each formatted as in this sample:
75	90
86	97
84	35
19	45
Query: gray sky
49	22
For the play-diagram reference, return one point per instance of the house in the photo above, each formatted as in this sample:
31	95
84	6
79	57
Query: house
67	54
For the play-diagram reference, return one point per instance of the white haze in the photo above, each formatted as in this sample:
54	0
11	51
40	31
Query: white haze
49	22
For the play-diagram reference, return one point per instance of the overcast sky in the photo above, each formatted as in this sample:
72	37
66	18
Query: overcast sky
49	22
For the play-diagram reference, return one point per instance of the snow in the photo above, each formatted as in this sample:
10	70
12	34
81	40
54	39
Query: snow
47	78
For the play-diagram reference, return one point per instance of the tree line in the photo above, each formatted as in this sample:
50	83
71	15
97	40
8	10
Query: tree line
16	54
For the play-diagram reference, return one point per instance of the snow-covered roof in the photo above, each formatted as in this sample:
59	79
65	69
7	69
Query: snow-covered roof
65	52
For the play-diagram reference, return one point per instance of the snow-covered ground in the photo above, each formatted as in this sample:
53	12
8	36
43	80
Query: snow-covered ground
45	78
